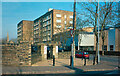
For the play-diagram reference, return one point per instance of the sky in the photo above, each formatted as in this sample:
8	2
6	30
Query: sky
14	12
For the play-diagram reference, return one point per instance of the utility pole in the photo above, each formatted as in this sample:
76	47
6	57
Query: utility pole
73	44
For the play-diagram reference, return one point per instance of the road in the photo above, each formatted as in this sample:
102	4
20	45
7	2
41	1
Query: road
112	60
107	58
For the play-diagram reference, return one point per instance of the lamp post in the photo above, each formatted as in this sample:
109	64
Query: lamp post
73	44
98	34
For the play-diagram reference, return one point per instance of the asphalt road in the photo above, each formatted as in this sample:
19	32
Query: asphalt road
91	73
107	58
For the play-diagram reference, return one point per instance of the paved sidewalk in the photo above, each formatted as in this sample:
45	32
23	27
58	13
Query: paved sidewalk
61	67
63	62
55	69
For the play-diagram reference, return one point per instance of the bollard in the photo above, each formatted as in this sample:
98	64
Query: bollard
85	61
53	60
70	60
93	60
97	60
82	57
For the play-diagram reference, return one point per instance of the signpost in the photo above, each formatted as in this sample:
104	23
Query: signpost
72	34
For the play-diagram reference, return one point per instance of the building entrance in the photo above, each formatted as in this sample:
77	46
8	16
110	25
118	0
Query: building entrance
50	52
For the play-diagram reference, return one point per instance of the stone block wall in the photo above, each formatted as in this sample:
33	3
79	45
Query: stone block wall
24	53
64	55
9	56
36	58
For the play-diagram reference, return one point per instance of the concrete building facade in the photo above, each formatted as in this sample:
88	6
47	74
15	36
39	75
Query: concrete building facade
112	39
51	23
24	31
86	35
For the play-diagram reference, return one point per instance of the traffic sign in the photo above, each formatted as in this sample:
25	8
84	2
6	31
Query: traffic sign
71	32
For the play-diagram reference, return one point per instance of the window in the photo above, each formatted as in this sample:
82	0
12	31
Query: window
70	27
111	47
47	27
65	22
58	21
58	26
64	16
105	47
58	15
47	22
49	16
65	28
71	16
71	22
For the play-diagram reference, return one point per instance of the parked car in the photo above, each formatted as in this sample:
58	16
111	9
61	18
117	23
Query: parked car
82	55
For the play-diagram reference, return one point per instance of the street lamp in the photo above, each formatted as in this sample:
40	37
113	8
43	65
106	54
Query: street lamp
73	43
98	34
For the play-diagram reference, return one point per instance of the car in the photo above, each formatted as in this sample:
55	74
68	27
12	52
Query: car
82	55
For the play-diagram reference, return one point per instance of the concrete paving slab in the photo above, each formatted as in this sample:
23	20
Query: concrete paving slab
63	62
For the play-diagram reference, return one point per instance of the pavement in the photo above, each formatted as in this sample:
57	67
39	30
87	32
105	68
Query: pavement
64	69
96	69
108	65
63	62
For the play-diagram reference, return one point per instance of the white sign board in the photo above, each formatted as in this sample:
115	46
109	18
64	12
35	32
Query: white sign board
45	49
56	49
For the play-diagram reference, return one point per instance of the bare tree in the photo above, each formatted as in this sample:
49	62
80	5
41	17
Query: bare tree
79	29
107	15
63	34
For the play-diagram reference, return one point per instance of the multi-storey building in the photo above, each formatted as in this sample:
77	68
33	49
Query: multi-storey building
111	40
24	31
51	23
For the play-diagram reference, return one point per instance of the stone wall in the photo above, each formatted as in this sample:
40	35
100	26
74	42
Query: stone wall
24	53
9	55
64	55
36	58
